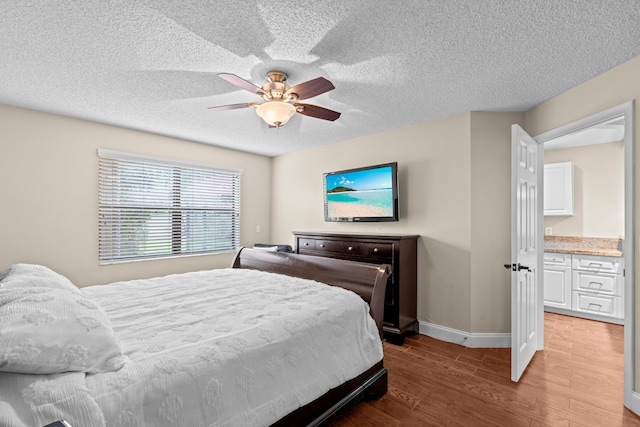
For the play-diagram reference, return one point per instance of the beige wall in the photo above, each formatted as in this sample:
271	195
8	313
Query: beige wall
491	220
612	88
598	191
49	200
447	174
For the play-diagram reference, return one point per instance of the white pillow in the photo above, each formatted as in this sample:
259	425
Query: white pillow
33	275
48	330
267	248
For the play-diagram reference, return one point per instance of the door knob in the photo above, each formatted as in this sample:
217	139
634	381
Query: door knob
523	267
516	267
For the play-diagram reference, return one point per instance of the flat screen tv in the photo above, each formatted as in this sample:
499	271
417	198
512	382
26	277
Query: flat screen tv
363	194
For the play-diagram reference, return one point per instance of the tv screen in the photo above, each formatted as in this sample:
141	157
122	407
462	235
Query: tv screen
363	194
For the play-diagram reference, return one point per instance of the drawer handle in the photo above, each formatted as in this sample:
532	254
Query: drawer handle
306	243
350	248
322	245
595	264
375	249
595	283
598	306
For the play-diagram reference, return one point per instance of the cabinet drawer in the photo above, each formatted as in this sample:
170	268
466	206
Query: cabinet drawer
598	304
378	250
601	283
338	247
598	264
557	259
306	244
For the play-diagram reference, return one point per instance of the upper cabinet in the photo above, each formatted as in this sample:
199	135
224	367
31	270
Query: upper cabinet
558	189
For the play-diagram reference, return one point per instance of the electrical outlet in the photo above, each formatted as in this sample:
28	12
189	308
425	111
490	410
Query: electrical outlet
548	231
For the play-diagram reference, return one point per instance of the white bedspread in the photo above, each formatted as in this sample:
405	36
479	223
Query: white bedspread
228	347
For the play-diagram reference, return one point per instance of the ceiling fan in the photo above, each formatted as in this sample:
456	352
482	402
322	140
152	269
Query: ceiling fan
281	98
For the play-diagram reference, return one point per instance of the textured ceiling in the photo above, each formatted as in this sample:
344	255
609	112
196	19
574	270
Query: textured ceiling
152	65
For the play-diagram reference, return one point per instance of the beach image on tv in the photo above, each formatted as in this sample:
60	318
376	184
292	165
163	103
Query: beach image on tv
365	193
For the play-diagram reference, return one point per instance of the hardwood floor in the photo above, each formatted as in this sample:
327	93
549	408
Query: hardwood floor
576	381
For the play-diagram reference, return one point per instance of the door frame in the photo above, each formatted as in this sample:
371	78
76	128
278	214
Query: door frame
627	109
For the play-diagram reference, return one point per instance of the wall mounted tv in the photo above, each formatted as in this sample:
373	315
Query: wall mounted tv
363	194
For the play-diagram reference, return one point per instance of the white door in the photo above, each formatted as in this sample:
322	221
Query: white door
526	294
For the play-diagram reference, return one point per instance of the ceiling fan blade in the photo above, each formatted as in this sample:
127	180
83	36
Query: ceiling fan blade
232	106
317	112
241	83
311	88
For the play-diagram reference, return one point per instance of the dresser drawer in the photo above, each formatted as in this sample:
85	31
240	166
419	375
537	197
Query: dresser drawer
306	244
601	283
560	260
597	264
337	247
383	251
597	304
373	251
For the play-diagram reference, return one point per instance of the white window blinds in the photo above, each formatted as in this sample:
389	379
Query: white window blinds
152	207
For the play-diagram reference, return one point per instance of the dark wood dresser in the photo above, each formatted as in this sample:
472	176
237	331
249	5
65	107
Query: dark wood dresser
398	250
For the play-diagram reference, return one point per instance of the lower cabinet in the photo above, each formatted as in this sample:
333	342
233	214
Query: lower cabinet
557	280
584	285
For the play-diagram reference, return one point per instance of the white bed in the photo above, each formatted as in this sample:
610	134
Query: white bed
227	347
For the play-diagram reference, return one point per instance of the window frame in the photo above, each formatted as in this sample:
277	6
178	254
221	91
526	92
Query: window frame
206	206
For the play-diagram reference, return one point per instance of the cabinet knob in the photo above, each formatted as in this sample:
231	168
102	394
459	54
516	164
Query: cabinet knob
375	249
306	243
322	245
350	248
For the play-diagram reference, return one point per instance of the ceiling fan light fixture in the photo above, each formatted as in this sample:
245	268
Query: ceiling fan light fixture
281	99
276	113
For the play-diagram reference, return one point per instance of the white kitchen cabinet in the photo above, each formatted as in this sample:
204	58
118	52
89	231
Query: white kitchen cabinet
558	189
598	285
557	280
597	264
584	285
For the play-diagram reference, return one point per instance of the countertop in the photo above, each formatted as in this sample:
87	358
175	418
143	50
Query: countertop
584	245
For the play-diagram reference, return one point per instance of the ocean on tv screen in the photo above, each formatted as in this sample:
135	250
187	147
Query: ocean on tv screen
368	203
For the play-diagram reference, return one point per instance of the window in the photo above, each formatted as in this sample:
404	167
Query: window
151	207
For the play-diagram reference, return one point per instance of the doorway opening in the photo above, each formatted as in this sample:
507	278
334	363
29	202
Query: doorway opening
583	259
583	263
620	117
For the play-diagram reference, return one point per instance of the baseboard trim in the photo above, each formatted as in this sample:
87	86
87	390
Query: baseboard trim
467	339
635	403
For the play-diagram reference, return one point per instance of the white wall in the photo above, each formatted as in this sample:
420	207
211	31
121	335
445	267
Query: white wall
49	194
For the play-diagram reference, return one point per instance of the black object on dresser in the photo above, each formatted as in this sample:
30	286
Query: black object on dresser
398	250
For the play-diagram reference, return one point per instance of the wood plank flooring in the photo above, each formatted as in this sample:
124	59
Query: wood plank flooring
576	381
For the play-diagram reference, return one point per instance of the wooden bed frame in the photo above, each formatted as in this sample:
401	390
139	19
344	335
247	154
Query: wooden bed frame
367	280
